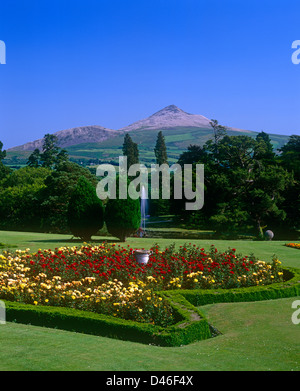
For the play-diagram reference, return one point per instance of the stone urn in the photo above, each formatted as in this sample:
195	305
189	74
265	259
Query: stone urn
142	256
269	235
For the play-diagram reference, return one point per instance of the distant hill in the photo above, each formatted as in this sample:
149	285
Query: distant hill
68	137
88	143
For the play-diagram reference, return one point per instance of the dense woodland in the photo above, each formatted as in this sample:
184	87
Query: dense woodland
249	187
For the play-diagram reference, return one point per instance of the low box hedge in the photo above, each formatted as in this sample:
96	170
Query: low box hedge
290	287
183	332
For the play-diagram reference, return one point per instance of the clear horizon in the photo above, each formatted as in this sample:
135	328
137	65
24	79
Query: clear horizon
75	63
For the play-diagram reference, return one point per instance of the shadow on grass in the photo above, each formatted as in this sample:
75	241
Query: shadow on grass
74	240
4	246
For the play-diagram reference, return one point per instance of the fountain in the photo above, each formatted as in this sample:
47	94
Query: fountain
142	255
144	205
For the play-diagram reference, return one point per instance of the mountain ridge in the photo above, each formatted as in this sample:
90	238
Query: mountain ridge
169	118
69	137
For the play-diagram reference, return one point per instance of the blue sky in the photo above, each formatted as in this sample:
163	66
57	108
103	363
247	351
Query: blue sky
113	62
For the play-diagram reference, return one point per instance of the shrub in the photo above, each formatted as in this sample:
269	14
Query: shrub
85	210
122	216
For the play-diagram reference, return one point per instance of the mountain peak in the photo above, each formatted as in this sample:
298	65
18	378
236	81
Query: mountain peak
169	110
170	117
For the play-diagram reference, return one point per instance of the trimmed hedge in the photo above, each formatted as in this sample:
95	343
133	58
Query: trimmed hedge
183	332
191	324
289	288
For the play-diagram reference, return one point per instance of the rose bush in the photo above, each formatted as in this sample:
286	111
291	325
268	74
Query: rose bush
107	279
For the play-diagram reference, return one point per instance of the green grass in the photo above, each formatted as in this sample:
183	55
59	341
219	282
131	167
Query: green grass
255	335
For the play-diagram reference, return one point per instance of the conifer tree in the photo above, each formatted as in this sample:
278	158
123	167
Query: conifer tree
160	150
50	150
130	150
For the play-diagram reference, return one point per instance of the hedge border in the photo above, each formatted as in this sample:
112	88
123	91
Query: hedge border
191	324
290	287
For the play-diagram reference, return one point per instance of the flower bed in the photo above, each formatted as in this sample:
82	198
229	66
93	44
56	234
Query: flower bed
106	279
293	245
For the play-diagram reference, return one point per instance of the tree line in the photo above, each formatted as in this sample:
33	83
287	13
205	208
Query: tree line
249	186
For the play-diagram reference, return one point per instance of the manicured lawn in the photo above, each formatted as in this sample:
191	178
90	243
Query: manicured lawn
255	336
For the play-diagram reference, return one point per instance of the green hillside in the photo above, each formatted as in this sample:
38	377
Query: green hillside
177	140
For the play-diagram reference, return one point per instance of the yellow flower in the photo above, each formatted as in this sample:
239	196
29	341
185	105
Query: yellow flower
35	302
46	300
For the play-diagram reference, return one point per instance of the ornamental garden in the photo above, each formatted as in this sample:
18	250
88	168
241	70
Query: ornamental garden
101	288
106	280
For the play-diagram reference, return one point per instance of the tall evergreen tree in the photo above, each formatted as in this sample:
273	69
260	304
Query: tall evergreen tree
50	150
130	150
160	206
160	150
